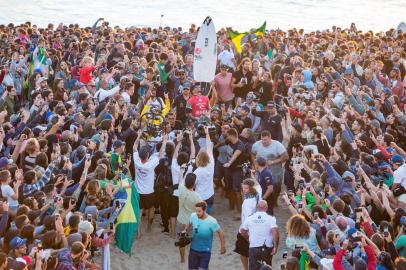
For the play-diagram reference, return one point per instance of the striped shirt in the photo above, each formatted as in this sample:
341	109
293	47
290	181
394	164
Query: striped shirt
29	189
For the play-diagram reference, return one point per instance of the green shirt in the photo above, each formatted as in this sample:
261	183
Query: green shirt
401	246
104	183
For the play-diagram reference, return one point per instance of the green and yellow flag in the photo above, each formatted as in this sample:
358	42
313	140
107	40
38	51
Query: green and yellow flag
239	39
128	219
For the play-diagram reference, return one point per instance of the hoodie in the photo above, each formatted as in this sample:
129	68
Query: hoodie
307	74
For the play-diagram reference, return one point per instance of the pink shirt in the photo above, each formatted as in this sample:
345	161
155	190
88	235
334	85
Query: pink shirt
223	87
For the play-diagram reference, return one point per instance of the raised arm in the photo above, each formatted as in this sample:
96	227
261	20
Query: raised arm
192	146
208	141
179	139
163	146
137	141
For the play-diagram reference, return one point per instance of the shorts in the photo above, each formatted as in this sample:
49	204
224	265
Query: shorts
235	177
219	171
199	260
173	206
242	245
147	201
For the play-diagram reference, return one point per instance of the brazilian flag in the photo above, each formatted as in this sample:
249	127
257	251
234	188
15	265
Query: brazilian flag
239	39
128	219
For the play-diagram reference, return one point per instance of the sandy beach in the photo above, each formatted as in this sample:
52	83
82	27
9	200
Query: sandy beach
157	251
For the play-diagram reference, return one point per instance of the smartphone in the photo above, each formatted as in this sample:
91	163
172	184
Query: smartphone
111	226
386	231
89	218
117	204
381	184
300	207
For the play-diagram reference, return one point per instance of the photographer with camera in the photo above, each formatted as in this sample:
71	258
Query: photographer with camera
234	170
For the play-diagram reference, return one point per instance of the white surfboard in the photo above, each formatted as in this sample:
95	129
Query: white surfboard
401	27
205	53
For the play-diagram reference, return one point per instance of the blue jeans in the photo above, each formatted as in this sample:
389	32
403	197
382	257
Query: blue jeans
199	260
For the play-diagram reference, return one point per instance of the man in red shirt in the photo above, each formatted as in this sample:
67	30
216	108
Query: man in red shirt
199	103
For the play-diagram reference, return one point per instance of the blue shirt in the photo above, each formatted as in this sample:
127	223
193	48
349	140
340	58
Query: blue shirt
202	232
265	180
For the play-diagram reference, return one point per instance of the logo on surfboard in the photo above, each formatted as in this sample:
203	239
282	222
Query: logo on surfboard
198	51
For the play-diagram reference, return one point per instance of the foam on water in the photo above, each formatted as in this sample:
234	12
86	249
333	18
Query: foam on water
376	15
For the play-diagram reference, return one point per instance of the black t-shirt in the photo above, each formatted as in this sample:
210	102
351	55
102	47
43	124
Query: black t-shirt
242	92
247	124
180	104
241	158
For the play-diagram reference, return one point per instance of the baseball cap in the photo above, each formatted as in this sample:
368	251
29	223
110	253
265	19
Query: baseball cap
397	159
245	108
4	161
348	174
118	144
17	242
261	161
186	85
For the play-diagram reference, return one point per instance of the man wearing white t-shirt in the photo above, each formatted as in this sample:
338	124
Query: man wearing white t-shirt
226	57
263	236
145	176
399	175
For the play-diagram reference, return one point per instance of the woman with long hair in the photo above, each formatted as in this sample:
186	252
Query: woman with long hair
60	94
299	233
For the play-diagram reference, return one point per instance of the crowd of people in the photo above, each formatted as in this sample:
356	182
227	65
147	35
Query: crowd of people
313	122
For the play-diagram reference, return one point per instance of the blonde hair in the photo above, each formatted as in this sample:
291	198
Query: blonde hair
31	146
86	60
100	172
297	226
202	159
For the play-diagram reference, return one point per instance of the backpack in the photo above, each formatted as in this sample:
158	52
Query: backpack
163	181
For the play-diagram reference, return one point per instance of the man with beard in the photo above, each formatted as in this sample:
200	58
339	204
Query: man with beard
276	155
395	84
242	79
242	119
203	228
270	120
179	81
180	102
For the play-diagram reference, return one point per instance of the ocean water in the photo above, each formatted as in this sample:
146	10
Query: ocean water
242	15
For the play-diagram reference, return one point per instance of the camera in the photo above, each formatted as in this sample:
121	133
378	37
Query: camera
246	169
184	239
